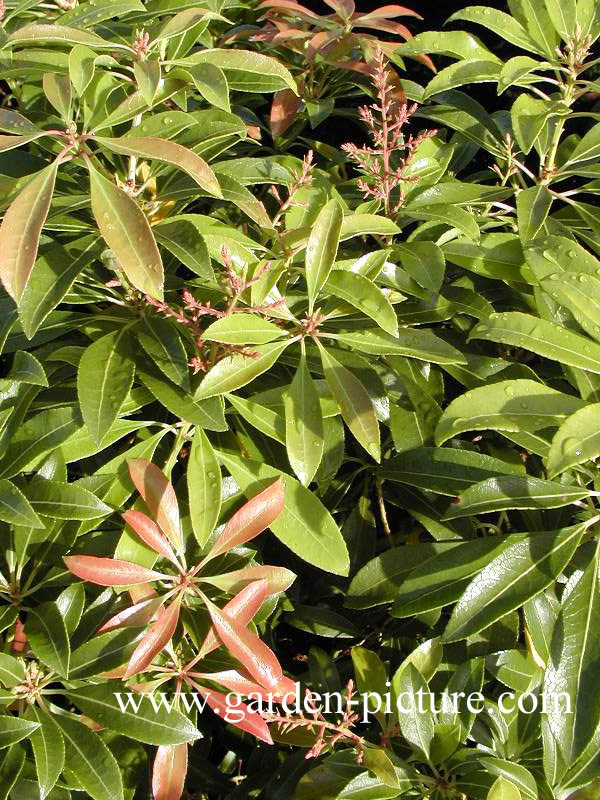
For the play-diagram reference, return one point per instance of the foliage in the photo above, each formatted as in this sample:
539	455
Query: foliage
387	354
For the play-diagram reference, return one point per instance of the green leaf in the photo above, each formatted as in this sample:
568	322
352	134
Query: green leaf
145	725
471	70
233	372
12	672
424	262
563	14
361	224
587	148
364	295
510	491
573	653
542	337
92	14
204	486
10	769
104	379
65	500
412	342
160	340
305	525
90	760
47	635
378	581
260	417
14	729
15	508
514	70
503	789
147	76
35	32
212	84
417	728
576	441
455	44
246	70
244	329
164	150
102	653
355	403
580	294
51	278
126	231
442	579
57	89
81	65
533	206
529	116
304	434
206	413
444	470
513	405
500	23
453	216
321	248
184	240
21	229
520	572
70	603
27	369
48	749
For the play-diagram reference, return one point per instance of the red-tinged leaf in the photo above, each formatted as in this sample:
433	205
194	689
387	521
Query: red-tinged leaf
283	111
252	653
21	229
159	635
127	232
289	5
242	684
345	8
319	42
110	571
388	12
386	25
150	533
250	721
244	607
136	616
142	591
20	637
170	152
251	519
159	496
354	66
169	771
278	579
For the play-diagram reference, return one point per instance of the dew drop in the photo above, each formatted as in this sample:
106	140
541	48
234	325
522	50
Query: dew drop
508	390
212	476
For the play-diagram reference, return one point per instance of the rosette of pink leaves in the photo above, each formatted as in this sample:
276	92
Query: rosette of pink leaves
262	674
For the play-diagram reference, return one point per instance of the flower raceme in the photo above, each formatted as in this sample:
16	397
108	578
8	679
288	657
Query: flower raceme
159	596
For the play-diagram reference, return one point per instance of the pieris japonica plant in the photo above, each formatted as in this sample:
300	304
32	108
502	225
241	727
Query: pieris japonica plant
298	431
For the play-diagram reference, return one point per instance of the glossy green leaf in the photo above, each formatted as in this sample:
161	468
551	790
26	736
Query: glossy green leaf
57	89
48	637
417	728
412	342
48	749
542	337
573	651
321	248
453	216
233	372
102	653
81	66
504	25
511	491
104	379
170	152
160	340
246	71
12	671
364	295
15	508
520	572
146	725
126	231
242	329
533	206
14	729
204	486
304	434
580	294
304	525
64	500
470	70
576	441
444	470
355	403
513	405
90	760
147	76
21	229
503	789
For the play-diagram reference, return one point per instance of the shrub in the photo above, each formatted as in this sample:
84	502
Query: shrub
385	353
